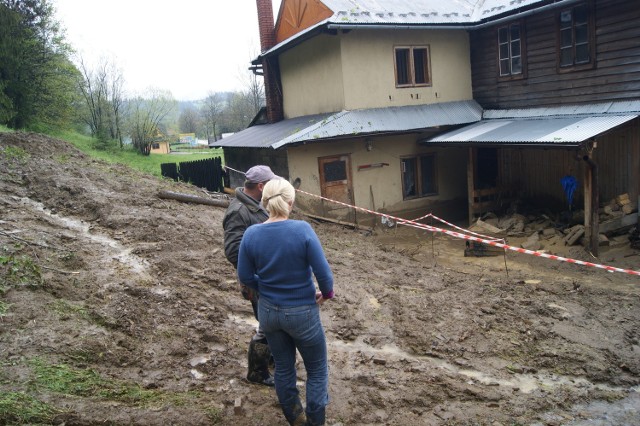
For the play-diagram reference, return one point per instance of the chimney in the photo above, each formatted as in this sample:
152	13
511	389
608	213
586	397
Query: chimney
270	68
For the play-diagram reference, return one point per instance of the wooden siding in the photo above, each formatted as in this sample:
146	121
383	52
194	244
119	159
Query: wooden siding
618	159
616	75
534	174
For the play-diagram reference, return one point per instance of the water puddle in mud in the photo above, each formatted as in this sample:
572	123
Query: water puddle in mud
601	413
243	320
524	383
125	256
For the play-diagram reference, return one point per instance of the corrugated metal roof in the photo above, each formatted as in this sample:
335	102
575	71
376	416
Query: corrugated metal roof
265	135
618	107
566	130
418	12
390	119
461	14
352	123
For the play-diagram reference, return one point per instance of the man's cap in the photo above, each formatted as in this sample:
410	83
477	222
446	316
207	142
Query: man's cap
261	173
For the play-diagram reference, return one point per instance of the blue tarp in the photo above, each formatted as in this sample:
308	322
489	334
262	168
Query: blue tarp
569	184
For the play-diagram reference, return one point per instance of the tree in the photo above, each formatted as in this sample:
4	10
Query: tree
145	118
211	114
36	75
255	92
244	105
188	121
103	94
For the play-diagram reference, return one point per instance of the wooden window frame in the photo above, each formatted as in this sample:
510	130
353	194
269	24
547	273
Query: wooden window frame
417	181
523	52
591	28
412	66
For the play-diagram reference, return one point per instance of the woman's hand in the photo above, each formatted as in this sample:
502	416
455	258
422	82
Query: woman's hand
319	299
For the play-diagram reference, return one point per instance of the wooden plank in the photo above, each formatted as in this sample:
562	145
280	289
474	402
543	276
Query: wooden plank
470	184
340	222
187	198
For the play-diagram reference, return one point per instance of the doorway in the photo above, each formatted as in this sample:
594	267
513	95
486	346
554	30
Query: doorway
335	184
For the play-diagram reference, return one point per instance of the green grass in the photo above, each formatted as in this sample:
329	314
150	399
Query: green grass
19	408
5	129
66	380
18	270
147	164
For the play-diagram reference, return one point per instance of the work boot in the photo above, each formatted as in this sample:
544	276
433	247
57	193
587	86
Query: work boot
294	414
316	419
258	357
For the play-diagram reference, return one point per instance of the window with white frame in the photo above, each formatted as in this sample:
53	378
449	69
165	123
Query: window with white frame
412	66
419	176
510	50
575	35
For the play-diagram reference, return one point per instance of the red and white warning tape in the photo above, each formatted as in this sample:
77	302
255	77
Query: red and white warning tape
489	241
478	238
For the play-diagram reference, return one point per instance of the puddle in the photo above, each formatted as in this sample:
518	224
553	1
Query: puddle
200	359
524	383
123	255
243	320
600	413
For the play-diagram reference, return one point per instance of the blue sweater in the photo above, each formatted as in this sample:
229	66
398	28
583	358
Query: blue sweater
278	258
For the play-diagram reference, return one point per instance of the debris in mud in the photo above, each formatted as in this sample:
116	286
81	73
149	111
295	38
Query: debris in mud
153	323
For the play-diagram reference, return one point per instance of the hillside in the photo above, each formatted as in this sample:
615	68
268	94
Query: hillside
118	307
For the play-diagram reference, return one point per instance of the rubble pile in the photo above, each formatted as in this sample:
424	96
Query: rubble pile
618	224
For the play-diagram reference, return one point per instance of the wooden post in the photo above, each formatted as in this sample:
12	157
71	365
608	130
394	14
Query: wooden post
470	184
591	204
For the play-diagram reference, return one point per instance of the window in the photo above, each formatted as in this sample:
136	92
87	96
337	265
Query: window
419	177
412	66
510	50
575	32
155	146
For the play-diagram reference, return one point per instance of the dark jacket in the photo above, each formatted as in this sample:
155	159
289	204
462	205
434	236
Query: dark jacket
243	211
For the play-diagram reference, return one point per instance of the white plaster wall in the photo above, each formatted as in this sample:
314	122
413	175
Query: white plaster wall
356	70
369	75
311	76
380	188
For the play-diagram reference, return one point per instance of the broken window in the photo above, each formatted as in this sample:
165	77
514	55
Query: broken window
419	177
412	66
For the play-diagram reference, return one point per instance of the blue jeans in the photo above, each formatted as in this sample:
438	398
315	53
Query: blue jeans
297	327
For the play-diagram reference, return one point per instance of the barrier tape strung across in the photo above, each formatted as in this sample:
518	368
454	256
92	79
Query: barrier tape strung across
487	240
458	228
477	239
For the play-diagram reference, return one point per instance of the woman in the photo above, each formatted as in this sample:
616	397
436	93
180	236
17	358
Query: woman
277	258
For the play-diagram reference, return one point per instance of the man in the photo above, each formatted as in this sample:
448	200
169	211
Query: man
243	211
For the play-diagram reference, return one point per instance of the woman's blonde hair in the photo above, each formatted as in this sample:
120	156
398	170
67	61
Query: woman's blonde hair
277	195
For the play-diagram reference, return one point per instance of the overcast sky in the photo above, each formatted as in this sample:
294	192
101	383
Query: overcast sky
189	47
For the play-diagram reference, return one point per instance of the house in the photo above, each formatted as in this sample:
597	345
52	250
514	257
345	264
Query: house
160	147
446	107
559	83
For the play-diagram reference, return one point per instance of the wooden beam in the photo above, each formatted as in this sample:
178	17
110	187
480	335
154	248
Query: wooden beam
591	204
340	222
470	185
187	198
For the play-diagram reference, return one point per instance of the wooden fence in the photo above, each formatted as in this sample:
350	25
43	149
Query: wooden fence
207	173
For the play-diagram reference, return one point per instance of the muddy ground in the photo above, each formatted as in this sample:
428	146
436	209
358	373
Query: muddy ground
103	279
